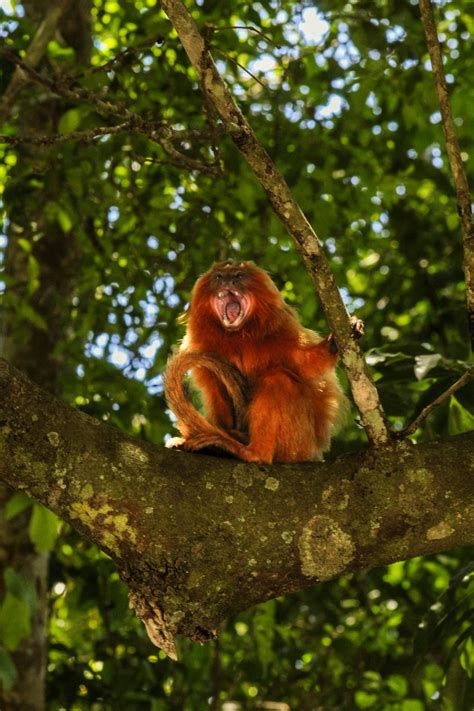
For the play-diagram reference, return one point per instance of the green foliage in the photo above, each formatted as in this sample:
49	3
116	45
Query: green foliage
16	504
17	606
347	108
43	529
8	673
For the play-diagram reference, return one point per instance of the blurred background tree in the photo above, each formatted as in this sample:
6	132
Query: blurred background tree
108	236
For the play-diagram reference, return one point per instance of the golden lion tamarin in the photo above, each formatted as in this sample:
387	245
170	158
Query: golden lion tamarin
269	386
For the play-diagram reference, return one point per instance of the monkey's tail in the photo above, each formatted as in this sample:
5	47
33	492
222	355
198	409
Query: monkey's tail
199	432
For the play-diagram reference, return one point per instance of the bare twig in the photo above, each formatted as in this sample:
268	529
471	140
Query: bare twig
454	156
68	89
465	378
218	95
86	136
37	48
179	158
121	57
241	66
249	28
150	130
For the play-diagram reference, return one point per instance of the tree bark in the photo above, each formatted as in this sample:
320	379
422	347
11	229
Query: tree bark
198	538
34	349
458	171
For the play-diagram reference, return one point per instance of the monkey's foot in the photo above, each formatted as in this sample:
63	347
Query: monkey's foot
175	443
199	441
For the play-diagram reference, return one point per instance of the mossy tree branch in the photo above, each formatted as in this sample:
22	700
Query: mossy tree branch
200	538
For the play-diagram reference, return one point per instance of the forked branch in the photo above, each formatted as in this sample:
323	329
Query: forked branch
218	95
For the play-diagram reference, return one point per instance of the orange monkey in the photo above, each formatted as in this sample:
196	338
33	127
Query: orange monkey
269	386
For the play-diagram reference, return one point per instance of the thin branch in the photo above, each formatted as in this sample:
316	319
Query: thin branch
86	136
249	28
463	380
219	96
453	150
35	51
121	57
66	87
241	66
150	130
181	159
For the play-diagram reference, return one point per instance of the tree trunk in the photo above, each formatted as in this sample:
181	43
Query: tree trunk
33	349
30	340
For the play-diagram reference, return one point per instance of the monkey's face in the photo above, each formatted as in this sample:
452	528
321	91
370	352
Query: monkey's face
239	295
231	298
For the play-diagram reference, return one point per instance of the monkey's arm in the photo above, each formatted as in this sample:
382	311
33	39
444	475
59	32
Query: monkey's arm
315	360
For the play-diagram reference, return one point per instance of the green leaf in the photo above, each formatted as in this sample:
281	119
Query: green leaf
16	504
21	587
33	274
264	632
15	623
8	672
364	700
412	705
459	420
69	121
27	312
24	244
44	527
64	220
398	685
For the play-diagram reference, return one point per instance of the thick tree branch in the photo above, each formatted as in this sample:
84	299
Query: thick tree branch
37	48
453	150
218	95
199	538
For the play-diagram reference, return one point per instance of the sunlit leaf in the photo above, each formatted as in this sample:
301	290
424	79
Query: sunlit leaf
43	529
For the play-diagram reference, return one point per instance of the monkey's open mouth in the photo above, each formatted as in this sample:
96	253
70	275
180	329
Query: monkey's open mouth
232	307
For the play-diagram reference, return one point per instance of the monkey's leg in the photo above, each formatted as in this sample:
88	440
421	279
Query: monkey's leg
217	403
281	422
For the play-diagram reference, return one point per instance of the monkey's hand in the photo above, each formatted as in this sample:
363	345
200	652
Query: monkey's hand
357	326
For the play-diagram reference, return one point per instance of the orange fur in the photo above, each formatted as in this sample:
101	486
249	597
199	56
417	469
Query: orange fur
269	386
